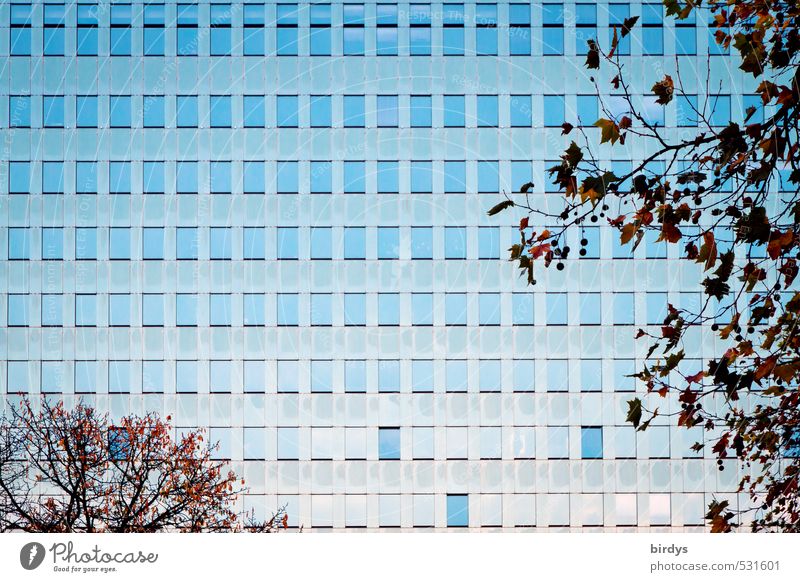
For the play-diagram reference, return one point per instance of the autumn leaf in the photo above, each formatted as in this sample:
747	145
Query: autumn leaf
627	233
664	90
498	208
634	412
592	55
609	131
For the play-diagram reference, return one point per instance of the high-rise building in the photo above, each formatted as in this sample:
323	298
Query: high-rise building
269	220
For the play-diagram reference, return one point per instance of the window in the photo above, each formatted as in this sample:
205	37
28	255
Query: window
421	111
455	309
388	309
85	310
287	245
521	111
320	240
488	177
85	178
186	110
19	177
552	29
153	111
455	176
53	33
421	176
519	29
454	115
422	308
20	38
119	377
17	313
19	111
186	243
421	242
52	244
254	309
254	113
587	108
286	33
186	34
119	111
488	115
321	309
457	510
19	246
254	178
388	177
254	243
320	111
288	444
153	32
354	110
120	32
419	32
52	311
220	244
653	29
86	111
386	29
617	14
319	35
554	111
353	31
52	177
86	33
388	444
686	35
453	29
590	309
219	310
185	310
556	304
486	29
355	309
455	242
522	309
287	309
220	177
53	111
220	29
152	376
489	308
585	26
219	108
86	244
387	111
720	110
355	243
153	243
287	112
253	34
591	442
152	310
488	242
686	114
354	177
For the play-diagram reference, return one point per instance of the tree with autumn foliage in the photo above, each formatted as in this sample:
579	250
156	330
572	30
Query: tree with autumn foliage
738	182
73	471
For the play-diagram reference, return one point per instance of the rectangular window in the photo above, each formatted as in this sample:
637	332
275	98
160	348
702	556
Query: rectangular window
119	111
253	20
86	111
219	109
220	29
653	29
20	37
219	310
186	33
552	29
320	106
389	444
286	30
153	111
386	29
353	31
254	112
319	34
454	112
457	510
387	111
86	33
53	31
419	31
53	111
254	310
452	29
585	26
486	29
120	31
186	110
519	29
617	14
153	32
591	442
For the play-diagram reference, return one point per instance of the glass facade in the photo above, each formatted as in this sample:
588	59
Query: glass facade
269	220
